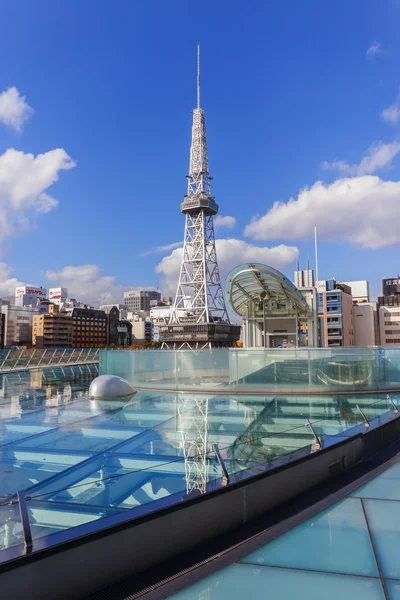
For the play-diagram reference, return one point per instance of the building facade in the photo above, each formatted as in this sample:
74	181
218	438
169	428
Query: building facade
389	312
58	295
29	295
18	324
335	312
52	330
119	330
138	300
89	328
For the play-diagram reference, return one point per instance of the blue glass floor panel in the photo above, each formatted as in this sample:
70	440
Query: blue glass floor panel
246	581
336	540
79	459
393	589
386	486
384	522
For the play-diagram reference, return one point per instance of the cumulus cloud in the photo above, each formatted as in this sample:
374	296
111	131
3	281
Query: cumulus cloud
161	249
360	210
391	114
14	110
228	222
374	49
230	252
7	283
24	179
378	157
88	284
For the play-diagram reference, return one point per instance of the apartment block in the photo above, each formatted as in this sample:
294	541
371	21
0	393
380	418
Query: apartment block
89	328
335	312
52	330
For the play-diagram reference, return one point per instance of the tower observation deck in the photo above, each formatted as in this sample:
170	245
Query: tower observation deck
199	318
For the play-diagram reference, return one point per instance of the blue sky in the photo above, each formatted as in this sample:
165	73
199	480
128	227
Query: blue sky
286	85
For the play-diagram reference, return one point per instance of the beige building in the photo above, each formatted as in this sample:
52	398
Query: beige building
52	330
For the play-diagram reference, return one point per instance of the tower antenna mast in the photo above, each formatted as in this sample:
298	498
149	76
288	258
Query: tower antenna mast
199	318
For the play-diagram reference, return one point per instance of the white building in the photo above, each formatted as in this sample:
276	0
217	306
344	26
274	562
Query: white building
389	325
137	300
359	290
28	295
18	324
58	295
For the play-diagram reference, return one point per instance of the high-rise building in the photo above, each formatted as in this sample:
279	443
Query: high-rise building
58	295
89	327
389	312
137	300
18	324
359	290
52	330
28	295
335	311
365	314
199	318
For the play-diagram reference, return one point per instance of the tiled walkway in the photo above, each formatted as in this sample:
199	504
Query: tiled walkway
350	550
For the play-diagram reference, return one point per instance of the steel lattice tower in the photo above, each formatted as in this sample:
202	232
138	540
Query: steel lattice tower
199	317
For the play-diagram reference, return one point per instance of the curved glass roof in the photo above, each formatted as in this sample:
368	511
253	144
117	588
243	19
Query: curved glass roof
263	285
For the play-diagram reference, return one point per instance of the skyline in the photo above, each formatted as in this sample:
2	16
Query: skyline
77	188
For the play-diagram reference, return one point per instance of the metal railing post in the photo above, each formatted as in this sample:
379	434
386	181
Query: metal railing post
225	474
366	422
317	442
396	410
23	511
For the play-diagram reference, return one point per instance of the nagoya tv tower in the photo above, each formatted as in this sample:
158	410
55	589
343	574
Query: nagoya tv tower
199	318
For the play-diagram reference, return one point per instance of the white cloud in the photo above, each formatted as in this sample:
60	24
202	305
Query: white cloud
86	283
7	283
378	156
14	111
374	49
161	249
228	222
230	252
391	114
24	179
360	210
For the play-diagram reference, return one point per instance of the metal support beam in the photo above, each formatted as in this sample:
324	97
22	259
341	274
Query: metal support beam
225	474
23	511
366	422
317	442
395	409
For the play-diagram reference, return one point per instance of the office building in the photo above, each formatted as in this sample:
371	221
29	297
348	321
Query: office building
335	311
304	279
137	300
52	330
58	295
89	328
365	314
359	291
141	328
122	309
119	331
18	324
389	312
28	295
